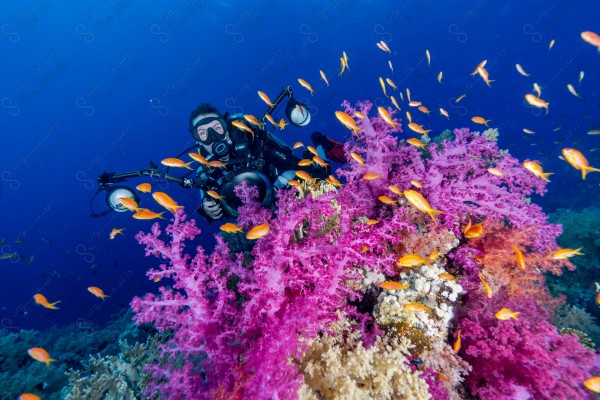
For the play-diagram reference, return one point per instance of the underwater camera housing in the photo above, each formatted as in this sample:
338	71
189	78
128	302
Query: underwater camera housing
251	177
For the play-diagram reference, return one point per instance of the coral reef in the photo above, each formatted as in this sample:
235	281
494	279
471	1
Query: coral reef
118	377
264	323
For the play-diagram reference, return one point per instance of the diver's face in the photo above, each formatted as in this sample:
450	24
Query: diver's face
202	130
203	133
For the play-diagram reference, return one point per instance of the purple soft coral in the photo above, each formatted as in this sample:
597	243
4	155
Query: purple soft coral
526	358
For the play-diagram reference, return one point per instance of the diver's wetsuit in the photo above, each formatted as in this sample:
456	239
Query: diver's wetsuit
264	153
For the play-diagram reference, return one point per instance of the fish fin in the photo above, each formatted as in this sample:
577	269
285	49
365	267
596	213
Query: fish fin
585	170
546	175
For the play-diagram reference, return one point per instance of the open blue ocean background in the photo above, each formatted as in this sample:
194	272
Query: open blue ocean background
94	86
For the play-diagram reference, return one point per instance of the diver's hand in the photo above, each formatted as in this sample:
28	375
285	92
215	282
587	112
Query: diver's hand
212	209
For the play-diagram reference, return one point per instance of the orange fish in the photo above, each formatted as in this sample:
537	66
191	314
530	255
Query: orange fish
166	201
591	38
446	276
96	291
306	85
230	228
42	301
416	183
358	158
459	98
176	163
333	180
411	260
428	58
519	257
536	101
456	346
214	194
144	187
282	124
382	86
386	116
371	221
147	214
129	203
578	161
593	384
573	91
199	158
488	289
506	314
347	121
344	65
360	115
383	46
408	117
294	183
304	176
305	162
371	177
252	120
433	256
424	110
440	76
394	285
216	164
563	254
495	171
416	199
391	83
418	128
115	232
414	103
298	145
484	75
29	396
415	142
480	120
416	306
41	355
480	65
537	170
265	98
270	119
320	162
521	70
395	190
258	232
598	298
473	231
386	200
243	127
324	77
395	103
313	151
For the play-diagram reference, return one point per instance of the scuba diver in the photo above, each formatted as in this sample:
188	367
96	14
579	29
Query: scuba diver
235	152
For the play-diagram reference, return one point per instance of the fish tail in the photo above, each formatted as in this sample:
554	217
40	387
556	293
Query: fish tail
489	81
48	361
545	176
53	305
432	214
585	170
188	166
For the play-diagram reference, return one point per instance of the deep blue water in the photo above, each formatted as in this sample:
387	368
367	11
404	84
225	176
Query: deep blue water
89	87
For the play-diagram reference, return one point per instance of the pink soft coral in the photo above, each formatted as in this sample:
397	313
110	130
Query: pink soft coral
526	358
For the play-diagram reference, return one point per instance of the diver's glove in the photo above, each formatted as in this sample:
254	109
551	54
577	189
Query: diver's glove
212	209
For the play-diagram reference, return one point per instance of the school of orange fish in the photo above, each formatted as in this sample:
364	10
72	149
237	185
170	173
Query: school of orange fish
574	157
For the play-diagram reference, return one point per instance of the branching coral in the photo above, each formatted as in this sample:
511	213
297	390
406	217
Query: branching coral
120	377
339	367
